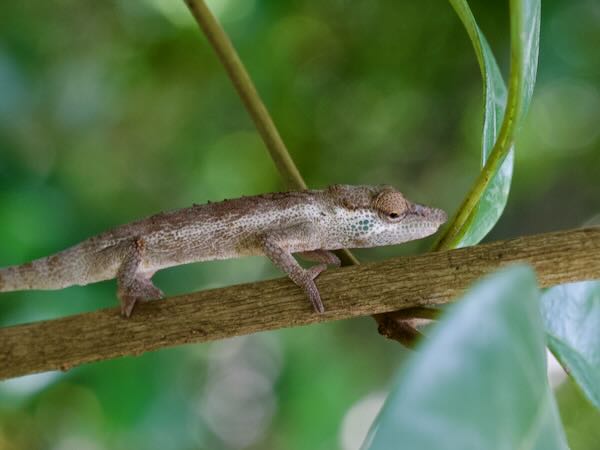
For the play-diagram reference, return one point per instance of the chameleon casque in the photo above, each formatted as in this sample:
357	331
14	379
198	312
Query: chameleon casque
309	223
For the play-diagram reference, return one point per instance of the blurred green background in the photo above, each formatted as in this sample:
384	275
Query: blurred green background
113	111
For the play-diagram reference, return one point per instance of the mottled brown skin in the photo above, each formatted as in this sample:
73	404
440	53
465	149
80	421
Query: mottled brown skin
310	223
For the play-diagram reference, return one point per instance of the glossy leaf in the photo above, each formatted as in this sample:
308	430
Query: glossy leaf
494	200
480	380
571	315
499	131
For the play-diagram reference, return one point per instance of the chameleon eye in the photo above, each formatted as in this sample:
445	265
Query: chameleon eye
395	216
391	204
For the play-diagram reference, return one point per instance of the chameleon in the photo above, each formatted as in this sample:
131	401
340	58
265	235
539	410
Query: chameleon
309	223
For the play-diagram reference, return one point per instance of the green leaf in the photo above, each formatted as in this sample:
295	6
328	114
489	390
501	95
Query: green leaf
485	203
493	201
571	314
480	380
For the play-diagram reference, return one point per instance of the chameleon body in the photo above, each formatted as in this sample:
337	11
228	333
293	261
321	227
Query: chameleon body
310	223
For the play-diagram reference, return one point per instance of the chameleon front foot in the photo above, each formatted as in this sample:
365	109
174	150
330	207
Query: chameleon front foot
274	247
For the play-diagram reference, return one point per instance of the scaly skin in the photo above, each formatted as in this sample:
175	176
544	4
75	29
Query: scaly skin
310	223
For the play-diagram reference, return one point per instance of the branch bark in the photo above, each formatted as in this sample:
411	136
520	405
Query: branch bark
374	288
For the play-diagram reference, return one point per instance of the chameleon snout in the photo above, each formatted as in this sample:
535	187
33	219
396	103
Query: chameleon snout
438	216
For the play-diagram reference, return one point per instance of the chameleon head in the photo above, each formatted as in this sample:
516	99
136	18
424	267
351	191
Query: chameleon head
371	216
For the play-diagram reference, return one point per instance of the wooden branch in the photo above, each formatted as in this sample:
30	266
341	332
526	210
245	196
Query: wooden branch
374	288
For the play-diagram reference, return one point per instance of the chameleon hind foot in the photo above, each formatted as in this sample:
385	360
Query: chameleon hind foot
133	285
139	289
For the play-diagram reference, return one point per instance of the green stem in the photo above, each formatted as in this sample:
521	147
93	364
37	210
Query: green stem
248	93
252	101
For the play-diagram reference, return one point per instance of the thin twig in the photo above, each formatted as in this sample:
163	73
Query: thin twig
244	86
375	288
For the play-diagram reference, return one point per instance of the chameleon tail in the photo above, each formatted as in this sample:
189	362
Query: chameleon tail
36	274
53	272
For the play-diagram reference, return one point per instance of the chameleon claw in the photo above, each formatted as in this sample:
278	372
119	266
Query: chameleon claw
127	305
311	288
140	290
318	305
315	297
